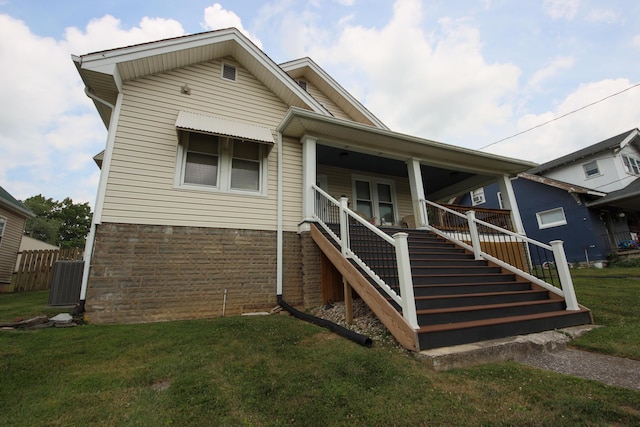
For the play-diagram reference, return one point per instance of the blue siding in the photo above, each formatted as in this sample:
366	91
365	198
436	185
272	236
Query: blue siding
582	233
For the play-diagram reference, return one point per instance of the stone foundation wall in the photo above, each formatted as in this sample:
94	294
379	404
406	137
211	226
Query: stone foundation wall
144	273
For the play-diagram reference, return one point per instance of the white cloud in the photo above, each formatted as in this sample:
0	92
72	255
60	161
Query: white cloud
427	84
558	9
49	131
636	41
215	18
553	68
585	127
603	16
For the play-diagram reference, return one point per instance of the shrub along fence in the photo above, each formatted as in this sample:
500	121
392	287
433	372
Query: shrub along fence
34	268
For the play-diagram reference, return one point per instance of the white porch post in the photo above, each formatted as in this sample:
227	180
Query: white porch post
509	202
565	276
405	279
473	233
417	193
308	176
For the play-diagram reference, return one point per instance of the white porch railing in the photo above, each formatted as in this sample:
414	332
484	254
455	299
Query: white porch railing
542	264
384	258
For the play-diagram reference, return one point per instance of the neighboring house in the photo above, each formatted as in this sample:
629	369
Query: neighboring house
13	215
30	244
590	199
207	179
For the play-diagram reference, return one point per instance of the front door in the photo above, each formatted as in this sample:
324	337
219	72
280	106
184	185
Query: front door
375	200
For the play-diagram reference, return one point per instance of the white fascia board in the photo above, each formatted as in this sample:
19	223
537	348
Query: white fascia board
308	62
628	139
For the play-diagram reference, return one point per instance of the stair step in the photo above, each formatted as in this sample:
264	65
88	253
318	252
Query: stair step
444	335
469	288
435	279
487	311
461	300
427	262
455	270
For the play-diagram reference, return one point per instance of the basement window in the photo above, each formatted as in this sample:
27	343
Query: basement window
229	72
551	218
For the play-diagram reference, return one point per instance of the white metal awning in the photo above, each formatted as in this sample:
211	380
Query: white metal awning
198	122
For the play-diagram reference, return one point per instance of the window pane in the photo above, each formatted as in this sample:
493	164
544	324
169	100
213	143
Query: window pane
386	214
246	150
245	175
384	193
550	217
362	190
201	169
591	169
365	209
203	143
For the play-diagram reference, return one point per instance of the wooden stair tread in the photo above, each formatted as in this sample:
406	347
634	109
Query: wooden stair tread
480	294
485	307
496	321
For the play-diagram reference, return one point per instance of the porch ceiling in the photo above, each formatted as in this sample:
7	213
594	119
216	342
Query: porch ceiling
447	170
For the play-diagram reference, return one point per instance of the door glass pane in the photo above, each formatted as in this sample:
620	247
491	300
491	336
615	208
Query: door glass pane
384	193
386	213
363	191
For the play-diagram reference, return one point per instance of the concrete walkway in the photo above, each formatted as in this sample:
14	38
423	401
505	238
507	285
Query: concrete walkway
545	350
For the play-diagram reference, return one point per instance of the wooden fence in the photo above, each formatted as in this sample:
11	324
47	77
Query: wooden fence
34	268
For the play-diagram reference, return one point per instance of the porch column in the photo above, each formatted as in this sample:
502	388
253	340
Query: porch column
417	193
308	176
509	202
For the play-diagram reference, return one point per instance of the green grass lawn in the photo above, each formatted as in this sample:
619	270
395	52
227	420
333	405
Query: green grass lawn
276	370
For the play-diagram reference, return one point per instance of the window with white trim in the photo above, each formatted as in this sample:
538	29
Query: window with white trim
220	163
3	225
477	197
631	165
551	218
591	169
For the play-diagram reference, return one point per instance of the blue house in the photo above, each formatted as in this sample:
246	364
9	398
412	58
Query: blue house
590	199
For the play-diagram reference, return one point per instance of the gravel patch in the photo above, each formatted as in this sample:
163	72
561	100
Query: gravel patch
364	322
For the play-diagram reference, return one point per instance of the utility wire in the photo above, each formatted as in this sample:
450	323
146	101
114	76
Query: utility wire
560	117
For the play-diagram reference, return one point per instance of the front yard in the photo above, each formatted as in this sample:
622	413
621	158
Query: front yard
277	370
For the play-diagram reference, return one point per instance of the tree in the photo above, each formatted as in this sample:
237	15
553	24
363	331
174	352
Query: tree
65	224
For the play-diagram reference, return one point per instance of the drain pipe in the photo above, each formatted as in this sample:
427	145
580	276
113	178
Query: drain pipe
102	185
333	327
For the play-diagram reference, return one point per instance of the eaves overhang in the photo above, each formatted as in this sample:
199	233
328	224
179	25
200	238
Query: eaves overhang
103	73
336	132
11	204
570	188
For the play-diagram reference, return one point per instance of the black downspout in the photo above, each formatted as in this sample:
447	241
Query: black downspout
333	327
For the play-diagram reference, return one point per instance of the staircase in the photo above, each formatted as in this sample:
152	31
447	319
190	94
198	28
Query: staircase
461	300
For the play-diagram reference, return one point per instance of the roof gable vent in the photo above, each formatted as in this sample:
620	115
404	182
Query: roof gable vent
229	72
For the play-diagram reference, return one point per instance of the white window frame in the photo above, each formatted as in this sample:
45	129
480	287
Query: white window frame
479	194
587	167
631	164
542	226
500	201
225	159
3	226
375	201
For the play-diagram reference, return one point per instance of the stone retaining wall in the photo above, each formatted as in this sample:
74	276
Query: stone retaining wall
143	273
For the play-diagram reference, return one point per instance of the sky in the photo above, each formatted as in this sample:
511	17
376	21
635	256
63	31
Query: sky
529	79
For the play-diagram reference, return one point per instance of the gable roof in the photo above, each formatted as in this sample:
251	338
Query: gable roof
103	73
616	142
10	203
306	68
627	197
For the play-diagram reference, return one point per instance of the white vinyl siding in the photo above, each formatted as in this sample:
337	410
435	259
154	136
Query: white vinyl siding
10	244
326	102
140	187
